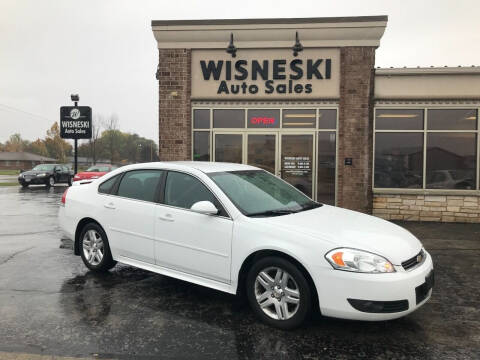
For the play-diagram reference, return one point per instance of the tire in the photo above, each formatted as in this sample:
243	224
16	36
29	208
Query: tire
50	182
289	303
69	181
97	256
24	185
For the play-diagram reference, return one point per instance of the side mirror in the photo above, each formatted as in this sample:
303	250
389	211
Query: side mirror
204	207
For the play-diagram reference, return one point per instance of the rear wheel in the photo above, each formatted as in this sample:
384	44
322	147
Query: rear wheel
278	292
94	248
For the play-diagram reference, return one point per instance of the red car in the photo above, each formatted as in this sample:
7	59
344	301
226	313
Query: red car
94	172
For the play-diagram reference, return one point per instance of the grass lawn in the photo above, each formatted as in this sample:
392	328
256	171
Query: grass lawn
9	172
9	184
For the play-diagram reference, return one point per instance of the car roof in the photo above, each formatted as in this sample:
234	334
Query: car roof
203	166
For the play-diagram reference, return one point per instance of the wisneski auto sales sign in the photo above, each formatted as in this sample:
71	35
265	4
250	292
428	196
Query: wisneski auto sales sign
266	74
76	122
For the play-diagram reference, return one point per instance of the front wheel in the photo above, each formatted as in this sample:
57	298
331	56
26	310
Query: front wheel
95	251
278	292
50	182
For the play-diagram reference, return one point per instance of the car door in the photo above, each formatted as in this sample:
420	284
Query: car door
129	215
187	241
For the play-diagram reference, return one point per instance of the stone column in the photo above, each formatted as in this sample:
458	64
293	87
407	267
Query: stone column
174	110
355	128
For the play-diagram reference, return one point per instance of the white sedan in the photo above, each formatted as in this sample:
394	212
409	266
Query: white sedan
240	229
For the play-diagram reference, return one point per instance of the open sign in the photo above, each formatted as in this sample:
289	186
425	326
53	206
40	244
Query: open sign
262	120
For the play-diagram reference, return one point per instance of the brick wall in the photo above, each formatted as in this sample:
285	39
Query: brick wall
173	74
355	128
444	208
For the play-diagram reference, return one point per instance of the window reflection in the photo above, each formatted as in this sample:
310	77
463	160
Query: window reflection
326	168
398	160
398	119
451	160
201	146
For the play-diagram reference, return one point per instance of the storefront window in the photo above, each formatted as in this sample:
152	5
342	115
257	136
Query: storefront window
326	167
299	118
452	119
403	119
228	118
201	119
201	146
228	148
451	160
449	153
263	118
327	119
398	160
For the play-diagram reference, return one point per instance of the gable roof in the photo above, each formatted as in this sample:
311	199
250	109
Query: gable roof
23	156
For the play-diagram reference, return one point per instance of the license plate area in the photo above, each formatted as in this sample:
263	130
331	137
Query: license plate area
422	291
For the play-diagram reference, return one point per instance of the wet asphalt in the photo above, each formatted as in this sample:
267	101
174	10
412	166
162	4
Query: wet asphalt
51	304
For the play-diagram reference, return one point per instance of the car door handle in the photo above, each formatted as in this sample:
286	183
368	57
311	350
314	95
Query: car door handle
167	217
109	206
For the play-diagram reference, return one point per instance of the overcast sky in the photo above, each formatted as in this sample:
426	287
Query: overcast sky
106	52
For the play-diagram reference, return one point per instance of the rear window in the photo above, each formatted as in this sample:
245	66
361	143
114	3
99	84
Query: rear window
107	186
140	184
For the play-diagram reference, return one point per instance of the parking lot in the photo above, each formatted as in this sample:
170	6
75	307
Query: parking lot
51	305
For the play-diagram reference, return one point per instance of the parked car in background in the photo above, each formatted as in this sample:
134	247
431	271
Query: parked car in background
239	229
46	174
94	172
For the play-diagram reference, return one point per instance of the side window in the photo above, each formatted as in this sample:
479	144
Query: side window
107	186
183	190
140	184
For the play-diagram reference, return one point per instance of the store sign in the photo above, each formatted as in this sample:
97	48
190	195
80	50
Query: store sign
76	122
265	74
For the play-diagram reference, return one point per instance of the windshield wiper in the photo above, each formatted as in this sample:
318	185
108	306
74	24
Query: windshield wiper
312	205
278	212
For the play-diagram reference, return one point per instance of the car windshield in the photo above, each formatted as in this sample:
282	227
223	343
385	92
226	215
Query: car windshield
97	168
44	167
259	193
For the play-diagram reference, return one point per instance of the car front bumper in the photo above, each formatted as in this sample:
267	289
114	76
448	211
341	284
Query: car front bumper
335	287
33	180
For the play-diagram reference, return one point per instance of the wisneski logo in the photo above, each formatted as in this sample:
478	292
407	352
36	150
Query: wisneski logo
272	72
75	114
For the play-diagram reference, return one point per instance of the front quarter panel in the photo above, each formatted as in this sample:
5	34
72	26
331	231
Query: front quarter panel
251	235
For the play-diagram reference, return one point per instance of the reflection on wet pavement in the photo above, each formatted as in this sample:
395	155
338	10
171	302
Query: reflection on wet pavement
51	304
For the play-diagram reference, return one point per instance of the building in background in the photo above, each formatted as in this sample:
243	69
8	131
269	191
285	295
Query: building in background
22	160
301	98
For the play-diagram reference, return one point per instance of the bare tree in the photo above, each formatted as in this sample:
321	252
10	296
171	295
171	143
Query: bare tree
96	130
112	135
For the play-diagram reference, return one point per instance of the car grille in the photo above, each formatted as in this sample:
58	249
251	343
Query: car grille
414	261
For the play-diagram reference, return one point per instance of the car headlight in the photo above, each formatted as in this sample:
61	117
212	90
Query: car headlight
41	175
358	261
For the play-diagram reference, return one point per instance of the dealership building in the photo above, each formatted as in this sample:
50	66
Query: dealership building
302	99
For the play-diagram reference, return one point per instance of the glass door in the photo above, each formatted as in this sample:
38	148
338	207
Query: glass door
262	151
228	147
296	161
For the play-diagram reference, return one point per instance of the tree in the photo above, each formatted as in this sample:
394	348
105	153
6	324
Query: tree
57	147
112	138
93	141
15	143
38	147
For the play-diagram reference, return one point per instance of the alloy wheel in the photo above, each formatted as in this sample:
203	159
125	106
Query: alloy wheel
93	247
277	293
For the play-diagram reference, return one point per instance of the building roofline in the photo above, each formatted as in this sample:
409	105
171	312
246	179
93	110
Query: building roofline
445	70
311	20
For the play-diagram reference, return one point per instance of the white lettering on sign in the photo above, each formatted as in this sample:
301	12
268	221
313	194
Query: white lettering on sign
75	124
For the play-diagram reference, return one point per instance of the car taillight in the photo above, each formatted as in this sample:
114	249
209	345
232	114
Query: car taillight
64	197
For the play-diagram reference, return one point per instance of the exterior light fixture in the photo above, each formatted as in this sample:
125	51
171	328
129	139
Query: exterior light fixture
231	49
298	47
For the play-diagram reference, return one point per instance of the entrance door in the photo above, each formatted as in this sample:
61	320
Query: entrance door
296	161
228	147
262	150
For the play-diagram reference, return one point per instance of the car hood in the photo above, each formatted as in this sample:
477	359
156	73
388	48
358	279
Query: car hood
346	228
89	175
